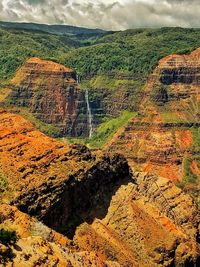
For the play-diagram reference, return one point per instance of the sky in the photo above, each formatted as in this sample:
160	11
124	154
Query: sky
105	14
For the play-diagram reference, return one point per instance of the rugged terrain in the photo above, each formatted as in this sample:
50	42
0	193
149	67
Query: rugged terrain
51	93
66	187
67	205
38	245
35	166
164	137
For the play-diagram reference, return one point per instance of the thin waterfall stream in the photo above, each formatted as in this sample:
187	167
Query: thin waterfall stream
89	113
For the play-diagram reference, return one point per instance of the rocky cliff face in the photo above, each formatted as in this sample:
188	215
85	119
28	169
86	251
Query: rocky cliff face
51	93
175	84
114	217
148	224
38	245
49	179
164	138
112	93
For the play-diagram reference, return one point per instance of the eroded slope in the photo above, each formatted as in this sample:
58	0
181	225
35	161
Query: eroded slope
38	245
164	138
51	93
118	218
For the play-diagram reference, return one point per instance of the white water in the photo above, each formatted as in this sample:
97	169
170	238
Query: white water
89	113
77	78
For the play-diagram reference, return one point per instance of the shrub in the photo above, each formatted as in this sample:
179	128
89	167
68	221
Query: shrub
8	237
3	182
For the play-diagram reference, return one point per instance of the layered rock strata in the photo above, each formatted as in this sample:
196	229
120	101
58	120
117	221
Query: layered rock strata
164	138
149	223
114	217
50	92
49	179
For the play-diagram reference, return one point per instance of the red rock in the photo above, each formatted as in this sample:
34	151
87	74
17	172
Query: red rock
51	93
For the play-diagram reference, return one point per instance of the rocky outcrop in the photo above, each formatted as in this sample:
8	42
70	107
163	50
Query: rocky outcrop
38	245
175	83
113	217
155	147
149	223
163	139
182	69
50	92
49	179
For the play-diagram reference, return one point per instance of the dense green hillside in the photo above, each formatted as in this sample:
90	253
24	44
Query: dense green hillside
17	45
132	51
73	31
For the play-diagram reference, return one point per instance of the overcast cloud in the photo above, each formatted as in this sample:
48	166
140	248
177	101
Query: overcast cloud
106	14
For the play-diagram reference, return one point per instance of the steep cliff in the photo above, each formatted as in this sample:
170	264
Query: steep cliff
114	217
38	245
51	93
43	174
164	138
149	223
175	85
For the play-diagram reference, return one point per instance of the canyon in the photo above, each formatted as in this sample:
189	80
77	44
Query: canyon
51	93
164	138
132	203
100	211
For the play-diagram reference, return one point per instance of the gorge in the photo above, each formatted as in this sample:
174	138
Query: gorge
97	201
100	167
51	93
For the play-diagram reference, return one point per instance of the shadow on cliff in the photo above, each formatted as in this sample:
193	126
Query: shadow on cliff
85	201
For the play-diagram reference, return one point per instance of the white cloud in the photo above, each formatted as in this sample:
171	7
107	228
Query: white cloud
107	14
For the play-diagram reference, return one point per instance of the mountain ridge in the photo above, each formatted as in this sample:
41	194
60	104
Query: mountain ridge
51	28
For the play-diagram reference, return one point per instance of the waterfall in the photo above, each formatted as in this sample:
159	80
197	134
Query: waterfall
89	113
77	78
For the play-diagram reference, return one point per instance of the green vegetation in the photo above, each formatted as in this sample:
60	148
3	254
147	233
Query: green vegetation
16	46
134	52
107	129
189	176
7	238
104	132
105	82
196	138
3	182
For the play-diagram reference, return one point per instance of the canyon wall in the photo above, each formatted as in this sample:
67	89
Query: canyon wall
51	93
113	217
164	137
43	173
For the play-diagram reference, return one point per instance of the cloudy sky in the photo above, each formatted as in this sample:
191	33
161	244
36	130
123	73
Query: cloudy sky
106	14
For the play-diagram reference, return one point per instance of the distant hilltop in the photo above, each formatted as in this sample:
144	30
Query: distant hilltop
55	29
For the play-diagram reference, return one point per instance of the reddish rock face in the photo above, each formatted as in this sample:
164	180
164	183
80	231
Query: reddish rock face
51	93
163	139
120	218
180	69
38	245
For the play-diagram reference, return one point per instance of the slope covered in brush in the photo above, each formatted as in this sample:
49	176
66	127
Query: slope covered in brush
136	51
18	45
132	51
